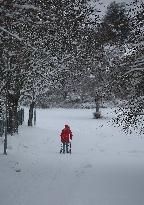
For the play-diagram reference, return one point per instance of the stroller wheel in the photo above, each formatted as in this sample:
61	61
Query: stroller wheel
70	148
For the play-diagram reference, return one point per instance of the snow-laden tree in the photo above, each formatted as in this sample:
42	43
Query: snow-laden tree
12	80
33	35
133	63
68	23
115	24
111	33
17	43
125	71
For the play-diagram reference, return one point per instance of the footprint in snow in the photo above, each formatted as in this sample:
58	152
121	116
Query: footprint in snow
79	173
88	166
25	146
16	167
18	170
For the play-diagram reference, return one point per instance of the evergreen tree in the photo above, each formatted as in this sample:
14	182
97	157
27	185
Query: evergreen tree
133	111
115	24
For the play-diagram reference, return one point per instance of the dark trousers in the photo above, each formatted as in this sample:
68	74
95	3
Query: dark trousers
65	147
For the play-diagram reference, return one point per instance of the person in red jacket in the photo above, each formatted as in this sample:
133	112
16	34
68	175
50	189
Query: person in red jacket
66	136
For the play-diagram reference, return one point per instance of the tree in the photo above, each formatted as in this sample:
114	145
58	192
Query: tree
126	73
40	32
133	111
17	46
115	24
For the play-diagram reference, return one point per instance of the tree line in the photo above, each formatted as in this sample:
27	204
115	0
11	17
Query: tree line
53	50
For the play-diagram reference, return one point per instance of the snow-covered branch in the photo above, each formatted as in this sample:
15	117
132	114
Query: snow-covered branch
22	40
134	69
11	34
26	6
17	37
1	89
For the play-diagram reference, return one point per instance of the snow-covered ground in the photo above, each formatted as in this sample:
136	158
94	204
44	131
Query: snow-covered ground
106	166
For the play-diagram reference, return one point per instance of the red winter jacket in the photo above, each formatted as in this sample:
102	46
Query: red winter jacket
66	135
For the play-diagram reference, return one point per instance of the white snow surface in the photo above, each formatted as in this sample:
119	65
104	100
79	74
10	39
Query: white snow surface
106	166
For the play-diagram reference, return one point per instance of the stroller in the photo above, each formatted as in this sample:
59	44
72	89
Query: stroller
69	148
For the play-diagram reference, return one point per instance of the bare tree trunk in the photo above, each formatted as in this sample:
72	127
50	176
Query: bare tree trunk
35	117
97	105
31	114
97	114
12	113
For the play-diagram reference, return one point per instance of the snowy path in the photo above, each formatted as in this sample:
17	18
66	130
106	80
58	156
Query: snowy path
106	166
